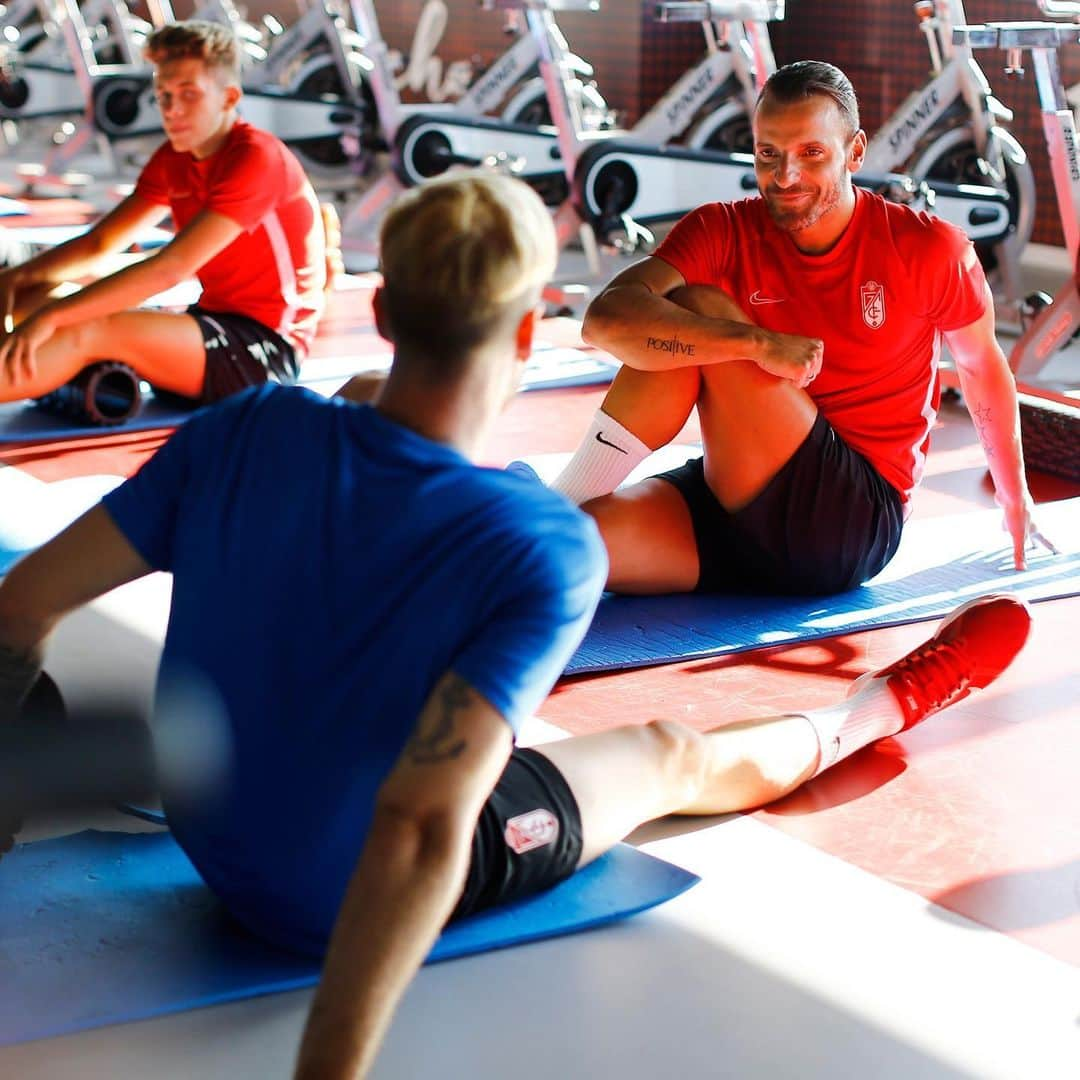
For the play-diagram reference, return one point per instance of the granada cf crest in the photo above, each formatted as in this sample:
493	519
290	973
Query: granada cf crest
532	830
873	304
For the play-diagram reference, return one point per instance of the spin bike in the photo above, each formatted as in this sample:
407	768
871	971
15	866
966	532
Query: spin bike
511	86
953	129
425	140
709	107
1049	414
42	83
623	185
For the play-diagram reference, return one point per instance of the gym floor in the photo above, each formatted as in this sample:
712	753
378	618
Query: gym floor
914	912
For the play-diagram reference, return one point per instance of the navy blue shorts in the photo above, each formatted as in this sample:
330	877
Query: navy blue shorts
826	522
241	352
528	837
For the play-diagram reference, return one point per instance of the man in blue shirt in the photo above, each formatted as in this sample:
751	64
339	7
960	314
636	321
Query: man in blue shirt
378	615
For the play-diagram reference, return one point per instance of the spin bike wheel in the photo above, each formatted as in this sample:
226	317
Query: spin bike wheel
327	153
727	129
952	157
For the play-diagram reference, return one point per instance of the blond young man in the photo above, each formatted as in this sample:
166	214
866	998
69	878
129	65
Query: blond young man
377	658
248	226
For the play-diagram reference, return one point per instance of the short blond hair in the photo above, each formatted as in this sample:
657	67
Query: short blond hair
462	256
197	39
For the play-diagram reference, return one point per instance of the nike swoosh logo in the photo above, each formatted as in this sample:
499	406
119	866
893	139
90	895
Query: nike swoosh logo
757	298
607	442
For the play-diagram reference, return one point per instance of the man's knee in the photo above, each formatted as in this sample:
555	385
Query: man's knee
89	339
681	752
709	301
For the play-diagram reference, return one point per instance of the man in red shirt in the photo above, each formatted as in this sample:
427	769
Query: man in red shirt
806	327
248	225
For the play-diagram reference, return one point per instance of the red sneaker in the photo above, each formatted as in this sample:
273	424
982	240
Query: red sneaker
971	648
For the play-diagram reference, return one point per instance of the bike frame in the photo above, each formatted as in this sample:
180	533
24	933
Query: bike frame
1057	323
956	77
737	49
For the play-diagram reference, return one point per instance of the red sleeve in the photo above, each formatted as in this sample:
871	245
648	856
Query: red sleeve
248	183
153	182
952	282
699	245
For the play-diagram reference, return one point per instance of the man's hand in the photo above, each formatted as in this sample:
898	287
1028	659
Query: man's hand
792	357
1019	523
18	349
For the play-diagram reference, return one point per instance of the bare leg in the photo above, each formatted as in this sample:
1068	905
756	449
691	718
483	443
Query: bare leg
751	424
625	777
649	537
751	421
631	775
164	348
654	405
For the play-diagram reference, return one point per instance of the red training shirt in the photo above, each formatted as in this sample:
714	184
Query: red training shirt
275	270
879	300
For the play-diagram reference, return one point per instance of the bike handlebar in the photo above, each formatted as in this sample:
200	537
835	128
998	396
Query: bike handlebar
541	5
1018	35
1060	9
704	10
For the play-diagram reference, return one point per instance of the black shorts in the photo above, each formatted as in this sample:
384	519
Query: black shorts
528	837
826	522
241	352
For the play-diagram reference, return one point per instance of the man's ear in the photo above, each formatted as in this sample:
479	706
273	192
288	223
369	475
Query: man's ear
526	331
857	152
382	320
233	94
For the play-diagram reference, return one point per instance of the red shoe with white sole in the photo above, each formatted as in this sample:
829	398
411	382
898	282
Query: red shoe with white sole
970	649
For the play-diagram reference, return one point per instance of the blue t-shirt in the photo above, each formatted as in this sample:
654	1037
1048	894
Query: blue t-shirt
329	567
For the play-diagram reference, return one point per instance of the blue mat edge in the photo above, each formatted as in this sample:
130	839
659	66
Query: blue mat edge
163	417
801	638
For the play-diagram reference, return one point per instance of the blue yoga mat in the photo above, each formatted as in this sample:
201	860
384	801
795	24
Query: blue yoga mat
547	370
101	928
942	562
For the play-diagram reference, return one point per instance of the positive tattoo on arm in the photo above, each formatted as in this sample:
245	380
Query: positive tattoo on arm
436	739
670	345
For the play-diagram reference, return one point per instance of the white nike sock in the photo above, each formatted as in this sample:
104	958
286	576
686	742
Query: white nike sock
606	457
870	714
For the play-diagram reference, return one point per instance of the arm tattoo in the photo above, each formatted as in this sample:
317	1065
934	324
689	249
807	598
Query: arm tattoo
981	418
672	345
436	740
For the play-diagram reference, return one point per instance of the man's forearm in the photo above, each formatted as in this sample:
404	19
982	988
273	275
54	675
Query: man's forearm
403	891
70	261
990	394
125	289
651	333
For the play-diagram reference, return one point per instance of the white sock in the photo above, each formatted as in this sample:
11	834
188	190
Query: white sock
606	457
870	714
